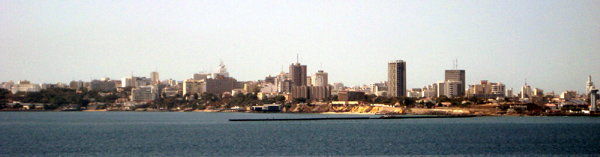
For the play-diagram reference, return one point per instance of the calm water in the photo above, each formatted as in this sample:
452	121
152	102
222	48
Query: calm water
211	134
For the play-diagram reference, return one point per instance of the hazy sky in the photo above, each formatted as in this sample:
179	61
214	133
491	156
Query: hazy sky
554	44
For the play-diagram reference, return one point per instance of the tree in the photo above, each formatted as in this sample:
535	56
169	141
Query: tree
300	100
279	98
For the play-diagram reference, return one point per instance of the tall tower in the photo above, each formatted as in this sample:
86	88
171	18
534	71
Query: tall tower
319	79
298	74
396	78
589	85
154	77
594	100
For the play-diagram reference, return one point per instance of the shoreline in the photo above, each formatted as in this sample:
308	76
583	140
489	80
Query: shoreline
324	113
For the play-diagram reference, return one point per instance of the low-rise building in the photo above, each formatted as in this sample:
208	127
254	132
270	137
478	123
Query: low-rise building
144	93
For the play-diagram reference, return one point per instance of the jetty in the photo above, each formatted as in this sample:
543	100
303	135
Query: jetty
357	118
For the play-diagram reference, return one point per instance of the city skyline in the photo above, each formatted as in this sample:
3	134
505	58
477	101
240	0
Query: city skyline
552	44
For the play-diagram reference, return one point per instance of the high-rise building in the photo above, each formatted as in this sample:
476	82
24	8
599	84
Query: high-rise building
154	77
457	75
319	79
526	91
589	85
298	74
396	78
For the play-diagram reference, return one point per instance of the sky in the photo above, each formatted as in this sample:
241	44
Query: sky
552	44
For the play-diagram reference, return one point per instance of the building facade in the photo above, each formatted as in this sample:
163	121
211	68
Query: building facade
319	79
144	93
396	78
298	74
457	75
154	78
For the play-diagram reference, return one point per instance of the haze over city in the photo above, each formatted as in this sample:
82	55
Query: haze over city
552	44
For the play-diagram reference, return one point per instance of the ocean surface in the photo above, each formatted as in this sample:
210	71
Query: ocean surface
211	134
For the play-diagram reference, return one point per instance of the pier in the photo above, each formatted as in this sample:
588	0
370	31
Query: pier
355	118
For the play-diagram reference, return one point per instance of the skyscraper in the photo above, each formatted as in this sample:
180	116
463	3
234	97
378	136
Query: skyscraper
396	78
298	74
457	75
319	79
154	77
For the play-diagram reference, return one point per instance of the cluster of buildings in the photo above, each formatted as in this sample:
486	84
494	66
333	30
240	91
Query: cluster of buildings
296	84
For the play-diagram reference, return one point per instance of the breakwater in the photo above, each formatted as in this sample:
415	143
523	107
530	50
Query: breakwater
355	118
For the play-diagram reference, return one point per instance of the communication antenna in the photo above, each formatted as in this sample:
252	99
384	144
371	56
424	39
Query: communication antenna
297	58
455	64
321	65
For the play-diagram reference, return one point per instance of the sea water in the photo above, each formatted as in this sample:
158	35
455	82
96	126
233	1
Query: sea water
211	134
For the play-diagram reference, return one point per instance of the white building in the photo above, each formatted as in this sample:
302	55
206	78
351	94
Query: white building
144	93
589	85
319	79
568	95
8	85
25	86
194	87
498	88
509	93
429	91
449	88
222	70
526	91
268	88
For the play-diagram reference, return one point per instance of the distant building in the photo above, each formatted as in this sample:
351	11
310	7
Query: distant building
526	91
414	93
429	91
350	95
300	92
488	90
319	93
538	92
154	78
396	78
338	86
268	88
270	79
319	79
144	93
76	84
312	93
593	100
568	95
8	85
25	86
105	84
449	88
509	93
201	76
378	87
193	87
219	86
457	75
283	83
221	71
589	86
298	74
